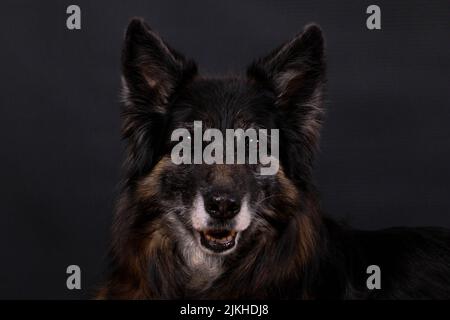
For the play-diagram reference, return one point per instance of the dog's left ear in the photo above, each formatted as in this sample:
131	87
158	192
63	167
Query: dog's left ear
295	72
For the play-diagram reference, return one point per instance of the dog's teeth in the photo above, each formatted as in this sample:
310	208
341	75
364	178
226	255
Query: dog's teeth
221	240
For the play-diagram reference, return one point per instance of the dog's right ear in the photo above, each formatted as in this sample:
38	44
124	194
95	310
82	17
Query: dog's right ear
151	69
151	73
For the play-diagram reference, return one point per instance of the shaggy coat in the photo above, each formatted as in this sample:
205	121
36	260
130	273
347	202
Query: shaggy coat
285	248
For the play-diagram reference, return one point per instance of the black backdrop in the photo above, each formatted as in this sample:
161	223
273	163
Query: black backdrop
385	145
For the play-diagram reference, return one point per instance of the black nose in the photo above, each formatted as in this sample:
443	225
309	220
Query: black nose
222	206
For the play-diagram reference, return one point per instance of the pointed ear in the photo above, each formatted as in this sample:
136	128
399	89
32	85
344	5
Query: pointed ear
151	73
295	72
151	69
294	69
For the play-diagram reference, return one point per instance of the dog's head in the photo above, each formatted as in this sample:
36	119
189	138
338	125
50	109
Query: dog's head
215	208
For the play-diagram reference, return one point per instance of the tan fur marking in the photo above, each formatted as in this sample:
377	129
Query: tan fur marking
289	189
307	230
223	174
149	186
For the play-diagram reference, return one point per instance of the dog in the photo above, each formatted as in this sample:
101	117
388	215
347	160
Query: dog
224	231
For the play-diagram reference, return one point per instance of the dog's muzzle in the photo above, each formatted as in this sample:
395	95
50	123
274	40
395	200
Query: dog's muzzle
218	218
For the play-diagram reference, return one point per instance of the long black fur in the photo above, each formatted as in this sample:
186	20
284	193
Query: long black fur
291	250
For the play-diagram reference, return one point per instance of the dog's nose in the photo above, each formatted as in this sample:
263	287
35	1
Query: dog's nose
222	206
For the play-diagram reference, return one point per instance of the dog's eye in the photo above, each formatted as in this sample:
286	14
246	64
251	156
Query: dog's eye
252	143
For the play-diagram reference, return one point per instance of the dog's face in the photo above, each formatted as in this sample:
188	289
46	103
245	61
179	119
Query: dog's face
217	201
216	208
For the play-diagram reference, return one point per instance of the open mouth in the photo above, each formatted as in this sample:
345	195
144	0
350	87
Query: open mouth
218	240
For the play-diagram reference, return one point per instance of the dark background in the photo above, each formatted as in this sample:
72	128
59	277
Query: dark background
385	147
